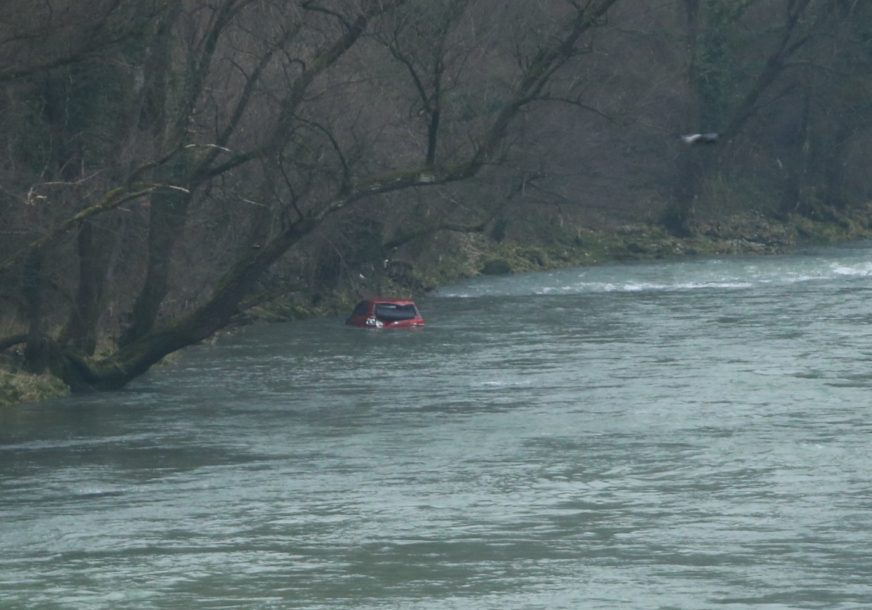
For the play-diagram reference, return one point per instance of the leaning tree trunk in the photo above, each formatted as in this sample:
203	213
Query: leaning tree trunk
137	356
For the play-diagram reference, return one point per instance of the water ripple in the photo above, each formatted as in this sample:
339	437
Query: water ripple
676	435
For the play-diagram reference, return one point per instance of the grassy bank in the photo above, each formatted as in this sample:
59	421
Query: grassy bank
740	234
17	387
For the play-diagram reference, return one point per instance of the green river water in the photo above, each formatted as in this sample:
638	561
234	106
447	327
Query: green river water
687	434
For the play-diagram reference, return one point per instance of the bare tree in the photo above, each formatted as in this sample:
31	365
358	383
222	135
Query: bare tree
245	101
730	78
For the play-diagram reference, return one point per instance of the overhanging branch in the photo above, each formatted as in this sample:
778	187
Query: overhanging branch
110	201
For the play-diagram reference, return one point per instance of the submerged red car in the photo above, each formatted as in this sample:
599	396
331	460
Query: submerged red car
385	313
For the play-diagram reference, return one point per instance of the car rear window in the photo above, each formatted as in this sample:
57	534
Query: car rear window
389	312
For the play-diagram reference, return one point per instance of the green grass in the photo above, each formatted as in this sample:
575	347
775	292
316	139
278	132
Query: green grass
18	387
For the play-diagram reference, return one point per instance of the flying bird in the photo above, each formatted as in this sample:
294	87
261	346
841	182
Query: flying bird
700	138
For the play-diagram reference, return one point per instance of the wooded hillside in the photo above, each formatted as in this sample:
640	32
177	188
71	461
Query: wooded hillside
168	164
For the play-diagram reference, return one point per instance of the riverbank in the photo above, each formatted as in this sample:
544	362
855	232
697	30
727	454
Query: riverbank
740	234
475	254
17	387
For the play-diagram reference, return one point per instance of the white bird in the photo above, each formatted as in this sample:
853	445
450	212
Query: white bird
700	138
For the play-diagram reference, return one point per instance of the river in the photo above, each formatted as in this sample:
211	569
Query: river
681	434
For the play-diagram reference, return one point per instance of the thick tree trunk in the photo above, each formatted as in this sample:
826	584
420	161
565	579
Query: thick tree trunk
32	290
677	218
798	162
94	253
834	168
167	222
695	164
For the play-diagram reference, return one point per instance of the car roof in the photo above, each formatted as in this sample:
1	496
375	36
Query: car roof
388	301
